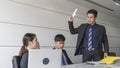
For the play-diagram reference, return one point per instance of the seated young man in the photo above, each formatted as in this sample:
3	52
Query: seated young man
59	44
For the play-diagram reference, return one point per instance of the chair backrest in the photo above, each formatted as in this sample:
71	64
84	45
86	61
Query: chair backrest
109	54
16	61
112	54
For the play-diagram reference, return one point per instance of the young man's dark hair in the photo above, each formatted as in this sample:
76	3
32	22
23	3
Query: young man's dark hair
93	11
59	37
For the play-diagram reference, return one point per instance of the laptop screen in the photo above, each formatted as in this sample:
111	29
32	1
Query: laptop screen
44	58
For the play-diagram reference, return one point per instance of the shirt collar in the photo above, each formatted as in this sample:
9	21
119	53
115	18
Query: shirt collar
91	25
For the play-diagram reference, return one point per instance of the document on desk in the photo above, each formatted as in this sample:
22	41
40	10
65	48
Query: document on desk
109	59
93	62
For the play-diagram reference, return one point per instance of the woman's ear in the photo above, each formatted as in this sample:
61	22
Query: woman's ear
29	43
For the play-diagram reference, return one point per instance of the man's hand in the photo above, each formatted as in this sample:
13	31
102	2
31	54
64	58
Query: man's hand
105	55
70	19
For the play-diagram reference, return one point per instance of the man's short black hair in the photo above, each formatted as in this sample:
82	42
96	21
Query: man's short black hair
93	11
59	37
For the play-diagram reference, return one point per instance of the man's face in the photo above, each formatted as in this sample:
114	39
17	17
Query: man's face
59	44
91	18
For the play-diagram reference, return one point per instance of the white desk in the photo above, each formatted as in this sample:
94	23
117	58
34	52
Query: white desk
84	65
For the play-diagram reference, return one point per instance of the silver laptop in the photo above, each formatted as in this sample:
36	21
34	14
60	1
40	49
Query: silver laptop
44	58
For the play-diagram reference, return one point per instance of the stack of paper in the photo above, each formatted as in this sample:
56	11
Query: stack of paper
109	59
93	62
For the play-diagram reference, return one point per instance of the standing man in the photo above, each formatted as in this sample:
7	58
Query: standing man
91	37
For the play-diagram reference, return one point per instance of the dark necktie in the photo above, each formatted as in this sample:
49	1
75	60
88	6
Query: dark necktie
90	39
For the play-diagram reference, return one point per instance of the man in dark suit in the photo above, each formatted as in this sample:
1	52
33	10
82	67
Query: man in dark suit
59	44
91	36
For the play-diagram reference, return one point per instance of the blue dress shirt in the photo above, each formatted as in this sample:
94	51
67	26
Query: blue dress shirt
94	37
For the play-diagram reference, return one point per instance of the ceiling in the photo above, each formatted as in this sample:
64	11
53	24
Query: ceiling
105	6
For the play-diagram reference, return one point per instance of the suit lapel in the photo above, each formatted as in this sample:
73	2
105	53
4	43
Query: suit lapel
98	32
81	35
84	29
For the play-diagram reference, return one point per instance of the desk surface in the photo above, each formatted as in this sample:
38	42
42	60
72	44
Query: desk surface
84	65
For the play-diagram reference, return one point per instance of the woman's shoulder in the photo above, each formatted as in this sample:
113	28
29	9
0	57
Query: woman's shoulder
25	55
24	60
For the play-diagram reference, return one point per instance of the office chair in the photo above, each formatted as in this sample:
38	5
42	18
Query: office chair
111	54
16	61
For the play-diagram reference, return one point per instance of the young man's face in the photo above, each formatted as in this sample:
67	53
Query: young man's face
59	44
91	18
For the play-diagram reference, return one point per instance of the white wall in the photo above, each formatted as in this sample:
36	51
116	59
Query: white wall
46	18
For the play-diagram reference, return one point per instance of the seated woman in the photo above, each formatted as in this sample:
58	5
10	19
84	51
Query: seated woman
29	42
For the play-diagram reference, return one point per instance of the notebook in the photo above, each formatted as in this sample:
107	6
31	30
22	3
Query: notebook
44	58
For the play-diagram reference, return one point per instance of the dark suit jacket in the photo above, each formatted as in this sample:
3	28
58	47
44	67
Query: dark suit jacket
67	58
101	36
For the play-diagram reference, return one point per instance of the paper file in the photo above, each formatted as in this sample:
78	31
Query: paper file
74	13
